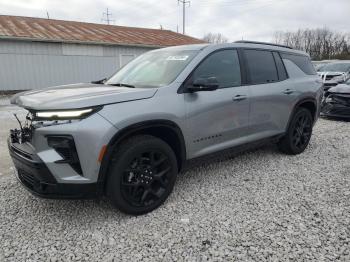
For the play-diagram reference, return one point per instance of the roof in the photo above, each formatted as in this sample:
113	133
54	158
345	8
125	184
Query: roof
39	29
248	44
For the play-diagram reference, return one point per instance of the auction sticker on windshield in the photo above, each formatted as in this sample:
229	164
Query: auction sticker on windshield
178	57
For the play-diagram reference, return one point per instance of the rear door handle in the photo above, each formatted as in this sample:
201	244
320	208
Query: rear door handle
239	97
288	91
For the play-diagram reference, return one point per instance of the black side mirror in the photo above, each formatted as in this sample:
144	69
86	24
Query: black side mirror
204	84
101	81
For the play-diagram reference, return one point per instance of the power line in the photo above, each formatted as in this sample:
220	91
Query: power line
184	2
108	19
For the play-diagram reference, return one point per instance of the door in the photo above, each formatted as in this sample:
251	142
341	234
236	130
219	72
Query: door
272	94
217	119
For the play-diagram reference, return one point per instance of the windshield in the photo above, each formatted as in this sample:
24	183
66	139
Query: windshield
319	68
153	69
319	65
339	67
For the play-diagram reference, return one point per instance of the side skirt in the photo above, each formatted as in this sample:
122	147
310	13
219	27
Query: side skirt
230	152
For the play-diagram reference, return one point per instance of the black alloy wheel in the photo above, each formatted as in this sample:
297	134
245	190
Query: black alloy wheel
299	132
146	178
141	175
302	131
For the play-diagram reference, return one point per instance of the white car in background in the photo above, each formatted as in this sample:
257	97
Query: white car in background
335	73
320	64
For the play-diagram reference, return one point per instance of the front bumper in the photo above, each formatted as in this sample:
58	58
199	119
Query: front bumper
37	178
335	110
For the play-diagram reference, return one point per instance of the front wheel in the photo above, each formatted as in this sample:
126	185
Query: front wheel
142	174
298	134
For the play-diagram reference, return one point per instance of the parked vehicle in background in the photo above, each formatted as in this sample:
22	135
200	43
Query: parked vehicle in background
319	64
336	102
128	137
335	73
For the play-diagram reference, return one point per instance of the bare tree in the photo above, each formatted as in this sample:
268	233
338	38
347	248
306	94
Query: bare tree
320	43
215	38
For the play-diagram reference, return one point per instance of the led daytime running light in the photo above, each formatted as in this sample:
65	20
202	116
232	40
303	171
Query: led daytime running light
63	114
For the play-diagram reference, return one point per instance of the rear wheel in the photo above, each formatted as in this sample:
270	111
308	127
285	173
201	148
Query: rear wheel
298	134
142	174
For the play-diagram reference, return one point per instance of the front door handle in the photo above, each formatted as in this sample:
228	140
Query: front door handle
239	97
288	91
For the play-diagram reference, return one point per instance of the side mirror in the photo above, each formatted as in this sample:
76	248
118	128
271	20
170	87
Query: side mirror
101	81
204	84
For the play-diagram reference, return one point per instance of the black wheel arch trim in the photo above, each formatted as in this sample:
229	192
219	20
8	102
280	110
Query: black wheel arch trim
134	129
298	104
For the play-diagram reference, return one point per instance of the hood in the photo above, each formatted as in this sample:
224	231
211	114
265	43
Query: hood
340	88
79	96
331	73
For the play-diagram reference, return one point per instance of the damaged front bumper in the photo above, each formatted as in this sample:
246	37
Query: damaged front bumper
37	178
336	105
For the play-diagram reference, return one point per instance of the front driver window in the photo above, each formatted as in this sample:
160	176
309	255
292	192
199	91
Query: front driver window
224	65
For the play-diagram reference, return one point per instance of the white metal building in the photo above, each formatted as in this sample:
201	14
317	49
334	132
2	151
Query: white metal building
37	53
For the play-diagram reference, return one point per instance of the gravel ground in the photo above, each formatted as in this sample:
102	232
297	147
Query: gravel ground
258	206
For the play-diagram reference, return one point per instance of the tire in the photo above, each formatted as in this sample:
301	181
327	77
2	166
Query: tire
142	174
298	134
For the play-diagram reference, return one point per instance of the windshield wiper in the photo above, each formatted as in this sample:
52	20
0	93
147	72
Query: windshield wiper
121	84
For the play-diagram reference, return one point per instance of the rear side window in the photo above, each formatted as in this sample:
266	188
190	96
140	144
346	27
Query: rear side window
224	65
261	66
281	70
303	62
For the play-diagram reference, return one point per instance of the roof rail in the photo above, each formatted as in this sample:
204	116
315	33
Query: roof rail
261	43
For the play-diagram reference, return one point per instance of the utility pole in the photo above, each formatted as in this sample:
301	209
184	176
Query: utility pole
184	2
108	15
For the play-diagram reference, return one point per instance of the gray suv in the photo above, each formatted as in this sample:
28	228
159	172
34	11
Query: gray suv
127	137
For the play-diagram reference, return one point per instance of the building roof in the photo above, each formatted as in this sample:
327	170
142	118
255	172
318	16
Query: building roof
39	29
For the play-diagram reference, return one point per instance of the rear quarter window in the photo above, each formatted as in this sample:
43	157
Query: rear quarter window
301	61
281	70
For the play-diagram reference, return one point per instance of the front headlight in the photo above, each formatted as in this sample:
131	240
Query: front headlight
65	114
329	99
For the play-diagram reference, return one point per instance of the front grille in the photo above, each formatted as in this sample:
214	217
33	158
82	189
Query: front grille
330	84
328	77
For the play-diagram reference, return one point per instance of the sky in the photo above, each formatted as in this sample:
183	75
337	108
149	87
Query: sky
235	19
